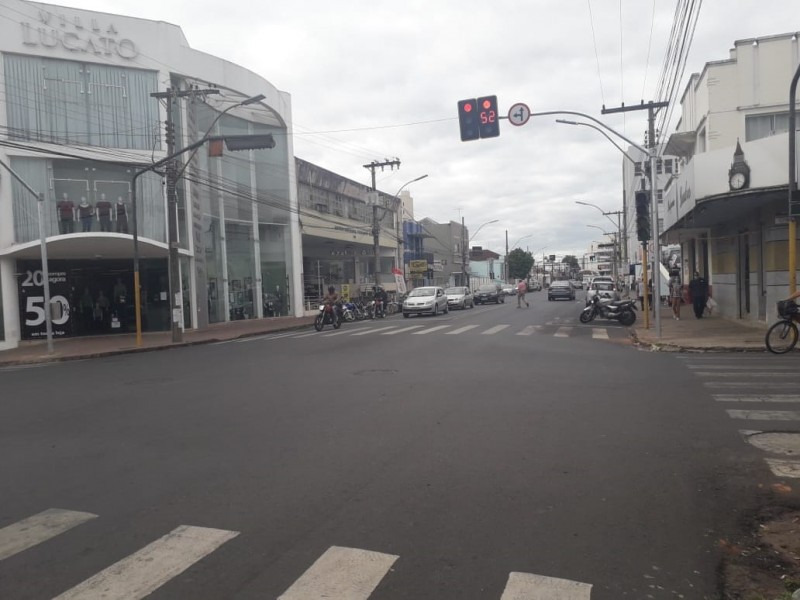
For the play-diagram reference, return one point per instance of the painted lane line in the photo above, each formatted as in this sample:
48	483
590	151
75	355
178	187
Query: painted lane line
39	528
777	385
529	330
303	335
737	367
341	573
404	330
788	398
563	332
495	329
431	330
782	467
743	374
368	331
525	586
599	334
461	330
765	415
341	331
146	570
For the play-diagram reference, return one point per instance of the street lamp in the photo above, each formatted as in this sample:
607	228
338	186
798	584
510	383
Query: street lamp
233	143
620	233
376	229
614	237
596	128
464	244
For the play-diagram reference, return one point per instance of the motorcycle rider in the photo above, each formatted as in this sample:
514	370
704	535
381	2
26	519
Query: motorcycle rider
332	299
381	300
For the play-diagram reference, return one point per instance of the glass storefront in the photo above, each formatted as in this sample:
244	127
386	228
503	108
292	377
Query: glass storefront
241	270
274	279
92	297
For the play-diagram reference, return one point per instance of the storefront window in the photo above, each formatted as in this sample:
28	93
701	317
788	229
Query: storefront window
2	322
241	274
273	242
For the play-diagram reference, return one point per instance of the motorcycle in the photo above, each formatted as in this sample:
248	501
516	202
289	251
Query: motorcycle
347	311
356	309
327	316
374	309
620	310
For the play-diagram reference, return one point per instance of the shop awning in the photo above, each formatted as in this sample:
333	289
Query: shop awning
681	144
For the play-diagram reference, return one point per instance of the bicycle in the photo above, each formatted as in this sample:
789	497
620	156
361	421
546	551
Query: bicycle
782	336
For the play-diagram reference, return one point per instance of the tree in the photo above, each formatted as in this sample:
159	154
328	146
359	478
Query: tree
519	264
571	262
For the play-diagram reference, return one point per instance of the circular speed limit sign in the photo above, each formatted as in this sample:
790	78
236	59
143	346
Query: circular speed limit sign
519	114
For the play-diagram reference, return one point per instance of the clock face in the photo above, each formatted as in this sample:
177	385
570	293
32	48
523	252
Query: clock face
737	181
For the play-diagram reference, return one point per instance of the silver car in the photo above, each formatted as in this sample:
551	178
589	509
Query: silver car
459	297
428	299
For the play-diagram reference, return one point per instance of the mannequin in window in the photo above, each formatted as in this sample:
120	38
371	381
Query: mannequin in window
120	299
66	214
122	216
86	214
104	207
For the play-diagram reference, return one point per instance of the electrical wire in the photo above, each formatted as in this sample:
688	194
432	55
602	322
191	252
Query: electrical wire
596	55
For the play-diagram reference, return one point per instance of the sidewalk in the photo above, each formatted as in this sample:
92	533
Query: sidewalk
108	345
713	333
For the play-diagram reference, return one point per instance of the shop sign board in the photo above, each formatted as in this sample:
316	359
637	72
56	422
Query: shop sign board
31	304
418	266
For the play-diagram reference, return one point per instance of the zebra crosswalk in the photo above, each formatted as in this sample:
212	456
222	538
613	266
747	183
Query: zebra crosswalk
762	392
339	573
555	330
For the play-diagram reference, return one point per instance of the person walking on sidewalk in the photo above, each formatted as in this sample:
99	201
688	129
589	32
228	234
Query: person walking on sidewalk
698	288
640	291
675	296
522	289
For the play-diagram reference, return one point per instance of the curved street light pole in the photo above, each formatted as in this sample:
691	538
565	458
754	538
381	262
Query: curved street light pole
513	246
464	244
376	231
621	234
614	252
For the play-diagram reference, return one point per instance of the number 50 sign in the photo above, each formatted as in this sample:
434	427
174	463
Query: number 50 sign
32	308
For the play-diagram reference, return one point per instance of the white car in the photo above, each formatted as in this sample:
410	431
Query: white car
428	299
604	289
459	297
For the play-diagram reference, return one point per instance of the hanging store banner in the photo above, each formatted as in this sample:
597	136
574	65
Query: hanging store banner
400	282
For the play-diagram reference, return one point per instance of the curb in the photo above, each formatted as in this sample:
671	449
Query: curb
135	350
668	347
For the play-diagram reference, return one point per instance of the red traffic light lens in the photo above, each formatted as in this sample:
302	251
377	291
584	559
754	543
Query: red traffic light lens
487	104
468	108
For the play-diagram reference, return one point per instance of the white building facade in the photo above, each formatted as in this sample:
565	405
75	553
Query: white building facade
728	207
78	120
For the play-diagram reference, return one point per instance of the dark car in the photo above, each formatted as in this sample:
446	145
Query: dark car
489	293
561	289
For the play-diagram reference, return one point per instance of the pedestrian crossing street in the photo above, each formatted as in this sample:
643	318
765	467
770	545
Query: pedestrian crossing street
762	392
357	330
340	573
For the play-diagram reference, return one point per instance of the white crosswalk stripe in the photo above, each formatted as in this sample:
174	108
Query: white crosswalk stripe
599	334
563	332
39	528
789	398
461	330
529	330
765	415
339	573
143	572
347	573
379	329
526	586
403	330
495	329
431	330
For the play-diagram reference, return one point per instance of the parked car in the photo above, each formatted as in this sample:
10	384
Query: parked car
459	297
604	289
577	284
427	299
598	279
489	293
509	290
534	286
561	289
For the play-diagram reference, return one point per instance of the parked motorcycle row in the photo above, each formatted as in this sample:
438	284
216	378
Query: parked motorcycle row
347	312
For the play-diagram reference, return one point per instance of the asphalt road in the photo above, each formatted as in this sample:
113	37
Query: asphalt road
445	453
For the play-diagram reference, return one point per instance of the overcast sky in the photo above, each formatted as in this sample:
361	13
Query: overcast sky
374	79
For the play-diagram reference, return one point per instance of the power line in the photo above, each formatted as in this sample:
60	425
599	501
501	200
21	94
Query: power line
596	56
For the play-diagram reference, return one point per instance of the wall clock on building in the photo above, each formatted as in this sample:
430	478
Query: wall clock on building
739	173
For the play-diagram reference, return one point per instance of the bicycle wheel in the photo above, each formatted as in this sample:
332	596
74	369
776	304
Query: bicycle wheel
781	337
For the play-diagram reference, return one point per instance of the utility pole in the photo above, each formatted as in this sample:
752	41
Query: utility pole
464	242
170	96
652	110
376	225
505	262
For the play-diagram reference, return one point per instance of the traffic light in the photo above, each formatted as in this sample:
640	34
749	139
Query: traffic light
642	199
468	119
489	124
